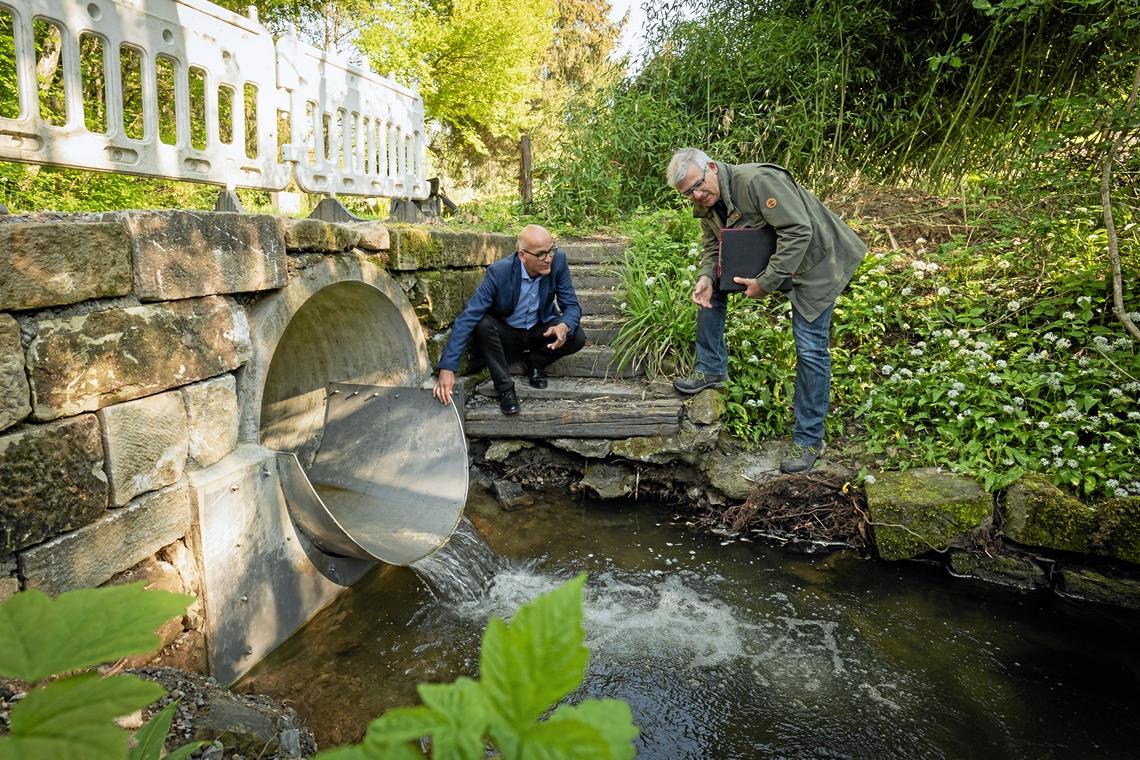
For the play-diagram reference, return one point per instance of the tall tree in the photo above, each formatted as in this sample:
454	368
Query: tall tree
476	62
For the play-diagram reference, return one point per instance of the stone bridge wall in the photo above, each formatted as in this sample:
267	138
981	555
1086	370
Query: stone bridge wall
122	342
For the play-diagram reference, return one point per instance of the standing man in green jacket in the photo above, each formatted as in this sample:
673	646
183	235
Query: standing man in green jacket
816	256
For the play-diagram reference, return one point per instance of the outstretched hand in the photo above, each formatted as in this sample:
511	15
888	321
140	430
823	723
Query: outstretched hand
560	332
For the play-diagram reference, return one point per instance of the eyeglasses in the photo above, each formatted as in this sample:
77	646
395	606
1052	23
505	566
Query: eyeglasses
540	255
696	185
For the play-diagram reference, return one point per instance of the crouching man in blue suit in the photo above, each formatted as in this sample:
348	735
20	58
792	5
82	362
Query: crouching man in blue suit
513	313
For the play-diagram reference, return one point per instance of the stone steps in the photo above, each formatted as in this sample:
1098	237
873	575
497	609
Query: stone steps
596	277
599	301
593	251
601	329
591	361
571	418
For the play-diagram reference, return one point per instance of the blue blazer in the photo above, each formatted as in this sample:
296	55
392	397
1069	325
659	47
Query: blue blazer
498	295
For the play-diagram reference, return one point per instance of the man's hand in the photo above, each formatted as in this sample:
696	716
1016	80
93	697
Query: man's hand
443	388
702	292
560	332
752	288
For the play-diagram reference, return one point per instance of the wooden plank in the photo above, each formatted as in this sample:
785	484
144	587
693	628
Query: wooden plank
569	419
586	388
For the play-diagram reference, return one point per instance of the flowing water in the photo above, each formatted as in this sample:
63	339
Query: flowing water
734	650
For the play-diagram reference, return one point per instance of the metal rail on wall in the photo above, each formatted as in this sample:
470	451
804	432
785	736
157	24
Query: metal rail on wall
187	90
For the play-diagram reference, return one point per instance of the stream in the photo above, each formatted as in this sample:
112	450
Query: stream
732	649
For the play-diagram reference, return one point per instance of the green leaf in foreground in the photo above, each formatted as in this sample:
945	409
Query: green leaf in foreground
41	636
611	718
72	719
540	658
149	740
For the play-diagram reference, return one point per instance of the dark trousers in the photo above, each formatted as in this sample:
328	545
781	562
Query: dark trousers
497	343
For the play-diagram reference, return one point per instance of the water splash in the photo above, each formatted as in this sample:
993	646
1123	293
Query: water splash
461	570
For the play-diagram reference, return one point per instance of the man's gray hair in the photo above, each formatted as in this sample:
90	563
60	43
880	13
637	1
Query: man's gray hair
682	160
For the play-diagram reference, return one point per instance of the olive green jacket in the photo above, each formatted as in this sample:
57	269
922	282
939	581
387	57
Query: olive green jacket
816	252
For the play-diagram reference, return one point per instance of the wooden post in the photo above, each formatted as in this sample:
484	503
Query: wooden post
526	189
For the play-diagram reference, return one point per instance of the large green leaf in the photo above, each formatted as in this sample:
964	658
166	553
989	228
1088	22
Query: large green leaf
150	738
41	636
72	719
565	740
610	717
537	660
462	716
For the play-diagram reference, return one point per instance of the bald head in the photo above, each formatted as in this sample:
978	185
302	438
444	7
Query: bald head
534	238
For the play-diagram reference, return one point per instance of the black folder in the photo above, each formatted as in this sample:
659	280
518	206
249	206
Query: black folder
744	252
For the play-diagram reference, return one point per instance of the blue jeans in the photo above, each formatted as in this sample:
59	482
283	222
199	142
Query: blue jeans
813	363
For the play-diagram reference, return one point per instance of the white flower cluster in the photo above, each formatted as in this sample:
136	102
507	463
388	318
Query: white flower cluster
754	402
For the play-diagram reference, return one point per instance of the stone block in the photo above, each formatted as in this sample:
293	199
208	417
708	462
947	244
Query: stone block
610	481
57	263
9	587
123	538
158	575
1090	586
14	405
185	254
146	443
213	415
1037	513
315	235
1118	534
439	297
374	236
706	407
1014	572
90	361
584	447
414	248
52	479
925	509
501	451
735	473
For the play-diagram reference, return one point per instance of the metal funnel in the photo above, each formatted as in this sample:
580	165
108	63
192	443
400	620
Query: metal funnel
389	480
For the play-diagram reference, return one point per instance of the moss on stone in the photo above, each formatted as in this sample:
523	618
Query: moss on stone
922	510
1089	585
415	248
1016	572
1118	535
1037	513
706	407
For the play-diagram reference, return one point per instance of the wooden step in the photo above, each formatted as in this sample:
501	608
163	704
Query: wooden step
586	388
593	251
599	301
591	361
574	419
596	277
601	329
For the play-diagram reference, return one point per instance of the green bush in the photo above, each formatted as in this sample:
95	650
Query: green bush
993	354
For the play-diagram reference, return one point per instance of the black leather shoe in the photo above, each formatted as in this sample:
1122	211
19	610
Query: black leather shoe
537	378
509	402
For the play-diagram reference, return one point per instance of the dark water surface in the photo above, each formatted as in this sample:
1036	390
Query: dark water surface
741	651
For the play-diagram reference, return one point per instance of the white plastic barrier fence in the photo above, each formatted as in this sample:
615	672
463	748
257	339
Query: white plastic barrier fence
184	89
